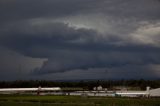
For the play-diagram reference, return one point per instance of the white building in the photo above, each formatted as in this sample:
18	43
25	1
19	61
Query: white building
154	92
100	88
125	93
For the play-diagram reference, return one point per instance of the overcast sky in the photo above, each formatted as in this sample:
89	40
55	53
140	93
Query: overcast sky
79	39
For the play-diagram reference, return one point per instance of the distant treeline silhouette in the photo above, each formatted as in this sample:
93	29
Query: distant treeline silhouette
82	84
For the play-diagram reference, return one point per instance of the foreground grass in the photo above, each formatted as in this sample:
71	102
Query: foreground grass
33	100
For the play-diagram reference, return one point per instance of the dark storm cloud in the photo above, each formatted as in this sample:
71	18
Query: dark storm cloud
15	10
84	35
140	10
28	9
59	36
69	49
68	61
52	36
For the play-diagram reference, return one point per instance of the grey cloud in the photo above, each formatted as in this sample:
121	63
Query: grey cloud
22	10
16	66
71	60
52	36
84	35
123	72
137	9
69	49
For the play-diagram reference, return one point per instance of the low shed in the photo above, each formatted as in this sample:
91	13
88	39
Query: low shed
155	92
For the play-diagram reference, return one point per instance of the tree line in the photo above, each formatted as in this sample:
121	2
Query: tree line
142	84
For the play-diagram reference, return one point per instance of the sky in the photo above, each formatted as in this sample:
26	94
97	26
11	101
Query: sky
79	39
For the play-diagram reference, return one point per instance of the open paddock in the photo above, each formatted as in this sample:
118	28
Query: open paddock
33	100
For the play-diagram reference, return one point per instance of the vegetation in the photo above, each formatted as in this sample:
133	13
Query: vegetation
33	100
88	85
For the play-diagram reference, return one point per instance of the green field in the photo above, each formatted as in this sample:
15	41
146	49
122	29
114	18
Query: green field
30	100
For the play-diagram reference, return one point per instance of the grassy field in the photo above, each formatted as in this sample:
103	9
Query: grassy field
30	100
